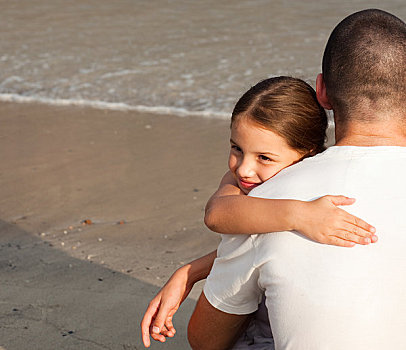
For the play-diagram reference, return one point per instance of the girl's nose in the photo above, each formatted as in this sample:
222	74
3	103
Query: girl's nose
245	169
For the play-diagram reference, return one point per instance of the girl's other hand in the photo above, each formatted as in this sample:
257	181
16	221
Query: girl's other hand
324	222
157	320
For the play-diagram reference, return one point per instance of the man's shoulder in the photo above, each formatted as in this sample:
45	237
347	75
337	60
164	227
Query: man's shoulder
292	179
334	170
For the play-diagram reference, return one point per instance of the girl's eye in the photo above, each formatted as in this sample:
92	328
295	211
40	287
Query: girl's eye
236	148
265	158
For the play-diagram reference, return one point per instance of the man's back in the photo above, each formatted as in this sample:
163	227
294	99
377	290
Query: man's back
322	297
325	297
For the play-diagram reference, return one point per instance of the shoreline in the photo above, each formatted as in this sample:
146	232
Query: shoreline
111	106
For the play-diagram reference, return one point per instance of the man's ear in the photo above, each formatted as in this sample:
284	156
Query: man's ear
321	92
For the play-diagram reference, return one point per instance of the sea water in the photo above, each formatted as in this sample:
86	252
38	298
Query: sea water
181	57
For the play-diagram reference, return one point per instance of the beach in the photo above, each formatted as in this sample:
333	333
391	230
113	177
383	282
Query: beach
140	180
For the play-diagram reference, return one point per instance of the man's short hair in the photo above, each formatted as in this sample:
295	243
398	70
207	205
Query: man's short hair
364	64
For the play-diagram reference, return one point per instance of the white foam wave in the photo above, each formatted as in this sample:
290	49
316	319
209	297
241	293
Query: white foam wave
120	73
116	106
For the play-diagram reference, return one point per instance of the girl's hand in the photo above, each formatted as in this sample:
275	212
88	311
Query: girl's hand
157	320
322	221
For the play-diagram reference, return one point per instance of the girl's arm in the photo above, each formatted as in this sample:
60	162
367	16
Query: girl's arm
157	321
230	211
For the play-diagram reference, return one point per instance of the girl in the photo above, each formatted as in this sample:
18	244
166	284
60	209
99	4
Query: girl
275	124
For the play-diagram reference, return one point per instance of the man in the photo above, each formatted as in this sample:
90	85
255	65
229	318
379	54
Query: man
325	297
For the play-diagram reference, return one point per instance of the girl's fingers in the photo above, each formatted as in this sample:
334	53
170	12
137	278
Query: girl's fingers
147	320
169	324
165	333
158	337
145	333
361	228
356	230
337	241
351	233
361	224
340	200
159	323
347	228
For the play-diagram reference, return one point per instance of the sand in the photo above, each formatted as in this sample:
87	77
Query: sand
142	180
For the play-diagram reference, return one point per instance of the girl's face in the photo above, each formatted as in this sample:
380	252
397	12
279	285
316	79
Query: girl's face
257	154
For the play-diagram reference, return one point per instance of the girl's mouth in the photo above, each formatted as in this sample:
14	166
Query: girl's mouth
248	185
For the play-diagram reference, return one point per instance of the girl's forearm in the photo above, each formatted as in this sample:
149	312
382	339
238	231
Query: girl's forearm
248	215
198	269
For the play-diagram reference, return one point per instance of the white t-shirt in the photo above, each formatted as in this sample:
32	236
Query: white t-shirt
320	296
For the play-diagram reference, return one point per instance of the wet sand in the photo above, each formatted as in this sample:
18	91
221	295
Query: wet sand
141	180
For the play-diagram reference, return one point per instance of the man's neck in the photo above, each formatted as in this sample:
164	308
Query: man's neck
372	134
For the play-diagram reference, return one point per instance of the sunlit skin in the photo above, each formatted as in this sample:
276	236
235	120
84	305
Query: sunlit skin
257	154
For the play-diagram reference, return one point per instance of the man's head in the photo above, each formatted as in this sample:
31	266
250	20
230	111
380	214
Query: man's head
364	67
